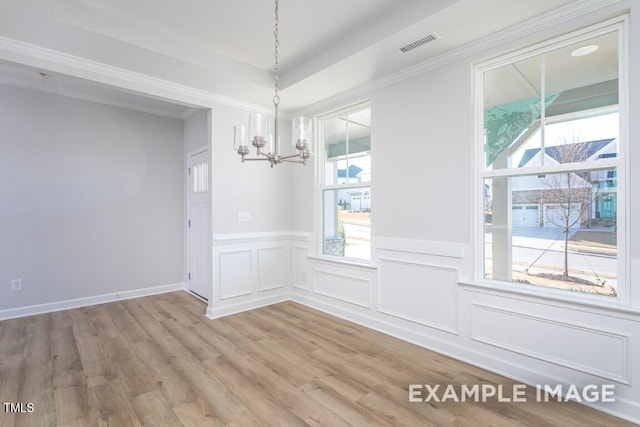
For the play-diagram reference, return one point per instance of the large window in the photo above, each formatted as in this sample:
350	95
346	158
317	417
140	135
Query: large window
345	183
552	170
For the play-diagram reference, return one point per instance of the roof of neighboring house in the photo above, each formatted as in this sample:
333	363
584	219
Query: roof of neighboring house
590	148
353	171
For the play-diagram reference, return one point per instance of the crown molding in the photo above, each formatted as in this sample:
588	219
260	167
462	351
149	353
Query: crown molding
532	27
59	62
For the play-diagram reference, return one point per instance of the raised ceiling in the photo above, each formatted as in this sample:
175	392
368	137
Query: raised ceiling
226	47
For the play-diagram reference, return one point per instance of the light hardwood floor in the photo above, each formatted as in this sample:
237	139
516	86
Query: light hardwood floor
157	361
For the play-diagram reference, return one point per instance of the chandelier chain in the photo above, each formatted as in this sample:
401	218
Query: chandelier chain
266	143
276	98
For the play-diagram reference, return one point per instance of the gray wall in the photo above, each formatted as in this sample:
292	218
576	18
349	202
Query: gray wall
91	198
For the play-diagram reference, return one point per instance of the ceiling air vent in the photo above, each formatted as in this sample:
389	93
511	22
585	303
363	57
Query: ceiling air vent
432	36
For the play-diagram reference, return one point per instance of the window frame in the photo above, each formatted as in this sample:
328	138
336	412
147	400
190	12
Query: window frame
621	164
321	185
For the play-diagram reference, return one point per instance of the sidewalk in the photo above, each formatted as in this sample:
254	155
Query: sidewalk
596	242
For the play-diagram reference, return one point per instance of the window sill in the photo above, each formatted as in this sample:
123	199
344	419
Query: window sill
592	302
344	262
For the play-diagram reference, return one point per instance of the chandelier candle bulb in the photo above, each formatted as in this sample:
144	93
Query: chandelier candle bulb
302	132
271	147
259	128
240	138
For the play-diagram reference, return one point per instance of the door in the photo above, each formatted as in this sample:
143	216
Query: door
199	225
607	204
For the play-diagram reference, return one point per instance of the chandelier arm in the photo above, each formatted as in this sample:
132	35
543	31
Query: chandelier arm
257	159
290	156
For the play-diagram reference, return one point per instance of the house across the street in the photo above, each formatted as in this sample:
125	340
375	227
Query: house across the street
576	200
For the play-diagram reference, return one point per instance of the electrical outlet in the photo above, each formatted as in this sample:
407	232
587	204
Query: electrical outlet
16	285
304	277
244	216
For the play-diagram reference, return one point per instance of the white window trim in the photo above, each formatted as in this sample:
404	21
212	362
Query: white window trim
320	186
623	300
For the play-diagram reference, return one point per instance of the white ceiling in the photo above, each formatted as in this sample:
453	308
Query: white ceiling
226	47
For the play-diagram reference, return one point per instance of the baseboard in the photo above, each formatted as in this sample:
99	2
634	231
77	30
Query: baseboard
226	310
50	307
622	408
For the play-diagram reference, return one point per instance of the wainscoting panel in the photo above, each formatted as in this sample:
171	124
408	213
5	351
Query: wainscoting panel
235	273
300	267
250	270
551	340
344	287
272	264
420	293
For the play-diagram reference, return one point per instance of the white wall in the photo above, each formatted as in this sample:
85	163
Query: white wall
302	209
251	187
421	286
427	118
196	131
91	199
251	259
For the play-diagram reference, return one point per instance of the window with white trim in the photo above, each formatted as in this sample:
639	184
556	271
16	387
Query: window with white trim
552	167
345	183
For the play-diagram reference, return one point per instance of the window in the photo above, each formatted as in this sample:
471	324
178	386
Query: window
551	173
345	183
200	178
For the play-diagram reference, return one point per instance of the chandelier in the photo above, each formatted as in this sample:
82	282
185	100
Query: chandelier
267	144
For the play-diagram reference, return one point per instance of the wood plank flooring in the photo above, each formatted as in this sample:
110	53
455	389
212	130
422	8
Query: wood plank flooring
157	361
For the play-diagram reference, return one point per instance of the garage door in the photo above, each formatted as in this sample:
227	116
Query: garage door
555	216
525	216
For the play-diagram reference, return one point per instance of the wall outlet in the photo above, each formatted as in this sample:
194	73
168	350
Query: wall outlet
16	285
303	277
244	216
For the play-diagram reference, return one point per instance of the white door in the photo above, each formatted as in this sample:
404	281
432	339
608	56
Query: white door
199	223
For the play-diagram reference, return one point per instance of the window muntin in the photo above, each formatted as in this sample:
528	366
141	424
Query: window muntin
516	119
346	173
347	148
551	167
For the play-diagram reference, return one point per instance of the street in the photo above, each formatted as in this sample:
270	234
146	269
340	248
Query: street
538	251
